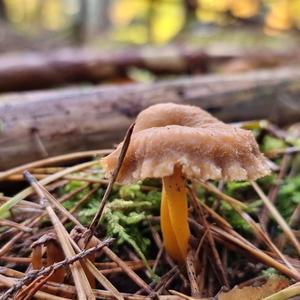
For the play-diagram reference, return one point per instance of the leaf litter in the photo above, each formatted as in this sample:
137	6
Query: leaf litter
238	249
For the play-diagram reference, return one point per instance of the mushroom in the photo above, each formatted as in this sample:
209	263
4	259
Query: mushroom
54	254
178	142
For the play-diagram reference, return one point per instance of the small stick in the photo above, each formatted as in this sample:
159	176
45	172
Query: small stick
16	260
4	208
114	176
279	219
201	243
30	223
31	275
264	216
83	288
230	200
81	202
237	240
52	160
137	279
6	247
202	275
211	240
255	227
191	272
33	287
9	282
288	150
15	225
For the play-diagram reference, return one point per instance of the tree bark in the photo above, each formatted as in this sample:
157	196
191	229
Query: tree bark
36	124
27	71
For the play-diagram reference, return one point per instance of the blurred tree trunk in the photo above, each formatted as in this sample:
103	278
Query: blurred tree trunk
93	19
190	7
3	14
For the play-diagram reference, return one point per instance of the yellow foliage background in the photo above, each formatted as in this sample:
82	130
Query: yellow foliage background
156	21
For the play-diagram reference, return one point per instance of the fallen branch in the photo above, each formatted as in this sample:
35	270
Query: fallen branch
32	70
76	119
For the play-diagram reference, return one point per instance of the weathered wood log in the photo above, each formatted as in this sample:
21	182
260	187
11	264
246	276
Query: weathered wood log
36	124
32	70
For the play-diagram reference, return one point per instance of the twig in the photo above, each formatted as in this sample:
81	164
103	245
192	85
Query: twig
31	275
79	235
210	238
16	260
138	280
285	227
30	223
6	247
114	176
81	201
33	287
264	216
82	285
259	231
200	244
276	152
234	238
52	160
7	281
230	200
4	208
191	272
15	225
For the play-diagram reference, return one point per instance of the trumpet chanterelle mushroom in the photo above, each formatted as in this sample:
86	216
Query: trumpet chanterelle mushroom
175	142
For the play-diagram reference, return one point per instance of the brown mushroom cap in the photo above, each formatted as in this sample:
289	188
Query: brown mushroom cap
169	134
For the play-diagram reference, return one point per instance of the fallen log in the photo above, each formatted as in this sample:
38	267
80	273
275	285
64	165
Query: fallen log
33	70
34	125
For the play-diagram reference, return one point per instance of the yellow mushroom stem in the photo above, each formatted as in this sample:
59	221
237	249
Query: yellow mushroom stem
174	216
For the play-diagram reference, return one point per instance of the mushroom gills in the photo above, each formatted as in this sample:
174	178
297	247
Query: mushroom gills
174	216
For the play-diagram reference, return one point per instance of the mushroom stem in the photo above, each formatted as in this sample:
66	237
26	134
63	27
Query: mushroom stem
174	216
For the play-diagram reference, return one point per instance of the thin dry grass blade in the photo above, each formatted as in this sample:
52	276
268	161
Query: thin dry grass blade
103	280
183	296
191	272
83	200
9	282
279	219
52	160
264	237
216	216
113	178
33	288
234	202
18	226
106	250
6	247
4	208
78	246
139	281
198	208
259	254
82	285
255	227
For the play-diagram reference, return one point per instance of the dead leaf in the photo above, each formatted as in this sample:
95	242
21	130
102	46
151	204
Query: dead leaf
273	285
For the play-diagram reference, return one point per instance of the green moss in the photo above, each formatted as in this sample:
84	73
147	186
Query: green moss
288	196
271	143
